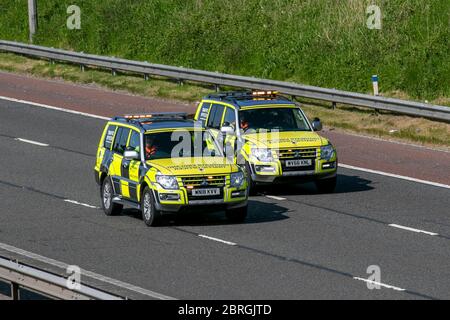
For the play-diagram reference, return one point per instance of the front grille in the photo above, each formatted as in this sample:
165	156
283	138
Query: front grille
204	181
293	153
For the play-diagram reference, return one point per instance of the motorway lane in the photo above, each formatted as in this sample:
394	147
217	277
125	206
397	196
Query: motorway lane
321	240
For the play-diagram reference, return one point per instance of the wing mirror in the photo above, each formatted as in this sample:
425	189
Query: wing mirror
316	124
131	155
226	129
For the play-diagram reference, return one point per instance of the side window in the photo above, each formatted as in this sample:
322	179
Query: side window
217	119
203	114
135	142
109	136
120	142
230	117
212	113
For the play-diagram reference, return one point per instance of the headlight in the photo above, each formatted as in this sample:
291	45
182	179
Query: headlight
263	155
237	179
327	152
167	182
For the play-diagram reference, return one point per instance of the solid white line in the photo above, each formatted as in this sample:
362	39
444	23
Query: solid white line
218	240
85	273
32	142
54	108
413	230
81	204
387	286
434	184
341	164
275	198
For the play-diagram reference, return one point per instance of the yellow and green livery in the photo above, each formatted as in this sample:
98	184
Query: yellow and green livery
161	163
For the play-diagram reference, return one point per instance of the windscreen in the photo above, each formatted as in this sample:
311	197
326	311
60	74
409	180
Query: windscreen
273	119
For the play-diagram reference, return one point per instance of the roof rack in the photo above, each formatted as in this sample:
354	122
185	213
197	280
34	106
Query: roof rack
247	95
144	117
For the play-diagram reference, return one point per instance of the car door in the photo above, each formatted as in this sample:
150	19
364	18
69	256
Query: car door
121	186
133	169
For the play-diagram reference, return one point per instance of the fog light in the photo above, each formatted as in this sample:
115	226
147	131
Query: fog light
169	197
259	168
238	194
329	165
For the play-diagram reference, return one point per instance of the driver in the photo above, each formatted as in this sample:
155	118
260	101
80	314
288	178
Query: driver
150	149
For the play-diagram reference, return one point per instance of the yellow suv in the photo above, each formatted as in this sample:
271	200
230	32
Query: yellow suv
160	163
271	137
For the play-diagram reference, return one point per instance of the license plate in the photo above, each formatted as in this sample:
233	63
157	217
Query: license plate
205	192
299	163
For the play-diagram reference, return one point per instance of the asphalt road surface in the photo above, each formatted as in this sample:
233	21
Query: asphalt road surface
295	244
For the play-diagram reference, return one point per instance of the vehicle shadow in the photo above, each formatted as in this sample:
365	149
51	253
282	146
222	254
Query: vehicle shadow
258	212
345	184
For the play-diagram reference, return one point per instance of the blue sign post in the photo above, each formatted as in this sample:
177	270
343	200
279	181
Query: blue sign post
375	85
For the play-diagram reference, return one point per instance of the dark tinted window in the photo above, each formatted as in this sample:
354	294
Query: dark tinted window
120	141
217	120
230	117
135	141
109	137
212	113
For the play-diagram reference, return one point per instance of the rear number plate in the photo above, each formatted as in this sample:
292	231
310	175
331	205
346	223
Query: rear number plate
298	163
205	192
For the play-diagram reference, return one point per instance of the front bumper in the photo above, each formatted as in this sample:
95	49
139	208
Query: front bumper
322	170
231	198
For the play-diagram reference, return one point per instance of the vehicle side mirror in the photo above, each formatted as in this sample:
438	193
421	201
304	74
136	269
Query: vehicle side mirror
226	129
316	124
131	155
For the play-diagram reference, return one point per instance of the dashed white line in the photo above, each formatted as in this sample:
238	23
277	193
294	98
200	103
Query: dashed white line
413	229
32	142
217	239
275	198
81	204
435	184
387	286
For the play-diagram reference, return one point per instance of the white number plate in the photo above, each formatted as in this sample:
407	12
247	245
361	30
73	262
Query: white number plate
299	163
206	192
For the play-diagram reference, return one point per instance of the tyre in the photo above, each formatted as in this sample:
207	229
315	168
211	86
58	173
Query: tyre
250	183
326	185
150	215
237	215
106	193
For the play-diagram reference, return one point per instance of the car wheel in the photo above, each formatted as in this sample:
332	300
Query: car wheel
237	215
150	215
250	183
107	193
326	185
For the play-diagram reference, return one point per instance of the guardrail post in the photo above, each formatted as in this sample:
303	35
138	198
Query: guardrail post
333	105
82	67
217	87
113	72
180	82
146	76
15	291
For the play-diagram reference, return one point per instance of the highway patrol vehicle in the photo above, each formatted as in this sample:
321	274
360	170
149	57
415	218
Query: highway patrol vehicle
160	163
271	137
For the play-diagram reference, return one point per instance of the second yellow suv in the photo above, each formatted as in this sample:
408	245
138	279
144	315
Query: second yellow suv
271	136
161	163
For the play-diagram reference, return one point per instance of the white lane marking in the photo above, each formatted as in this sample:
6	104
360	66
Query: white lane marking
413	230
32	142
86	273
217	239
275	197
54	108
392	175
81	204
340	164
387	286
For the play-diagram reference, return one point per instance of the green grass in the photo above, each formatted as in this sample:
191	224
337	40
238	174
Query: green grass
317	42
